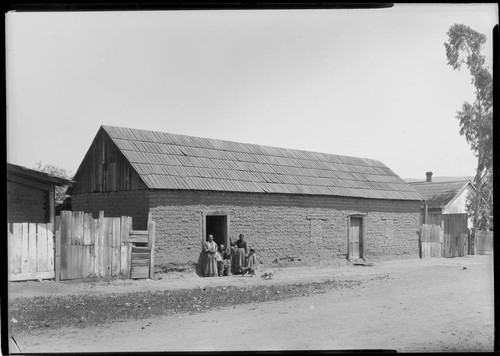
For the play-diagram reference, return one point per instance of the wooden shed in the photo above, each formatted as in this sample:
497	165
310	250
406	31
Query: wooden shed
291	205
443	198
31	195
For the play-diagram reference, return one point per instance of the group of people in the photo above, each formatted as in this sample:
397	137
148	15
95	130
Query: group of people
221	261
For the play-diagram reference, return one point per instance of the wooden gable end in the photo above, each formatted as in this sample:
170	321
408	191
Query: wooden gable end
458	204
105	169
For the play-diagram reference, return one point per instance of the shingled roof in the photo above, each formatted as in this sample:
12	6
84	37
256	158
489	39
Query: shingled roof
439	194
170	161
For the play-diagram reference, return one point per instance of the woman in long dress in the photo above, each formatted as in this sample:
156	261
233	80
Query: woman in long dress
210	264
240	254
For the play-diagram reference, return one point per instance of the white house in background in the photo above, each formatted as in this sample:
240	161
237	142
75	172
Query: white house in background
443	198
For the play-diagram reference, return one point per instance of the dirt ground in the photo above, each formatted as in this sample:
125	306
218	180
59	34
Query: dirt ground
406	305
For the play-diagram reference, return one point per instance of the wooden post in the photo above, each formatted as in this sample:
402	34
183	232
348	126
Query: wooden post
100	245
52	197
425	214
58	250
151	245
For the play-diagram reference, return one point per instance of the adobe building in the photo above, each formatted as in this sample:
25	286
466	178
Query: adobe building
289	204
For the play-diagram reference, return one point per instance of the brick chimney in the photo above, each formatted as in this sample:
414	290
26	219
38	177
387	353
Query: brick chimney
429	176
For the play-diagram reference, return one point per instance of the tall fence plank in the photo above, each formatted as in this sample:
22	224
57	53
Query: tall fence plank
17	248
41	247
32	248
50	247
24	248
57	262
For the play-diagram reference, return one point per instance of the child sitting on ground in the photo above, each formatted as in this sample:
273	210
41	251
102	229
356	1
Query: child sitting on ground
250	263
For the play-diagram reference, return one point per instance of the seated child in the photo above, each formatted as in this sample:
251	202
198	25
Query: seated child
223	261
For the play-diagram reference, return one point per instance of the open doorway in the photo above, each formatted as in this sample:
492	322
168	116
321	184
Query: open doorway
217	226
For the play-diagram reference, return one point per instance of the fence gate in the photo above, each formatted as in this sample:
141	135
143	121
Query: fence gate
456	235
103	247
430	241
31	251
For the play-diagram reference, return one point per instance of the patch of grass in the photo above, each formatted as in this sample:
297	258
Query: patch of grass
87	310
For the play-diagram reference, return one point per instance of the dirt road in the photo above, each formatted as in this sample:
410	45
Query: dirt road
411	305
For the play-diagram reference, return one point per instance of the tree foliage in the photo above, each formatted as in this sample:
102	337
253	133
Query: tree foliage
57	172
464	47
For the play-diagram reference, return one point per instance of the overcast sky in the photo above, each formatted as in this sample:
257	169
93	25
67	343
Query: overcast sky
365	83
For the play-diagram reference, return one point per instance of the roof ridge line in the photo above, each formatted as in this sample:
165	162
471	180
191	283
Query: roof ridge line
239	143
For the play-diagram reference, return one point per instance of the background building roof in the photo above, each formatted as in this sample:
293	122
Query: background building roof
439	194
169	161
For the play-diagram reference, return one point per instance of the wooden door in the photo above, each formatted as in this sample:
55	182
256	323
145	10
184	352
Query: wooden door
355	237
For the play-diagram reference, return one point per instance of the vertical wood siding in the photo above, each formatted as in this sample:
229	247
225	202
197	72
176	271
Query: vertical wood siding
105	169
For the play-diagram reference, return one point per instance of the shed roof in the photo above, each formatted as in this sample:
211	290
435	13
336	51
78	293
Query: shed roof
170	161
20	171
439	194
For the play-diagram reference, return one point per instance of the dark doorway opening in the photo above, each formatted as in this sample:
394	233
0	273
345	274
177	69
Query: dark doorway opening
217	226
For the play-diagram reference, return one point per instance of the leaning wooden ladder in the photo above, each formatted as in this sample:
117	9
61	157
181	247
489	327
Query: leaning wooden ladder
142	244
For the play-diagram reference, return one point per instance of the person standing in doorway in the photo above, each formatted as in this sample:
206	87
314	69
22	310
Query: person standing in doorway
210	265
240	254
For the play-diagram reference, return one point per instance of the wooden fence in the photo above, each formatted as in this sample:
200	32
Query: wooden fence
103	247
430	241
83	248
435	243
484	242
455	245
31	251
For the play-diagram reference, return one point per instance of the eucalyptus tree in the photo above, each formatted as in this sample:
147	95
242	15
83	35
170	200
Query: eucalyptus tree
464	47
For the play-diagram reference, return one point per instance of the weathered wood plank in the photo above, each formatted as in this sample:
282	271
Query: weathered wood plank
139	232
116	232
139	272
50	248
124	260
139	238
10	245
64	260
129	259
92	261
24	247
87	261
66	222
151	245
115	264
123	230
87	234
78	227
31	248
41	248
107	251
140	262
140	255
98	247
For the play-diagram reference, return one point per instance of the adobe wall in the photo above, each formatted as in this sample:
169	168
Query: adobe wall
278	226
132	203
26	204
